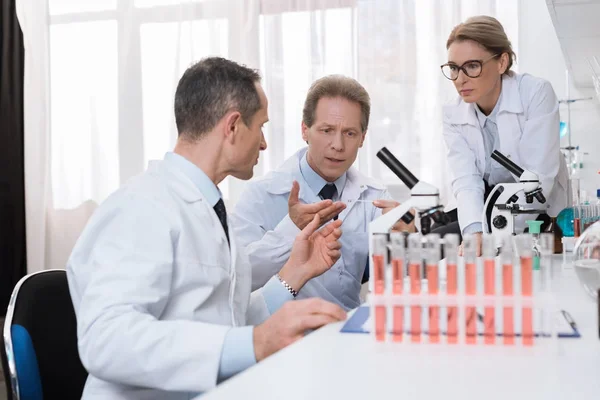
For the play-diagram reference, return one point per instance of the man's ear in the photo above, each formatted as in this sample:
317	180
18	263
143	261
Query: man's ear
232	122
305	132
362	140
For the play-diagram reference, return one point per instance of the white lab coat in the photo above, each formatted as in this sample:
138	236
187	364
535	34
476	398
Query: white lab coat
528	128
155	288
263	227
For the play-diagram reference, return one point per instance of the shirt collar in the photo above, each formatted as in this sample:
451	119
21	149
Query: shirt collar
315	181
207	187
492	117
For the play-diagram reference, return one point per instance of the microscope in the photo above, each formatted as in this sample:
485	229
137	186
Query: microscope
501	206
424	198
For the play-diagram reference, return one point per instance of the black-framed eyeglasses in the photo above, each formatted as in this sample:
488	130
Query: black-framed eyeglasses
471	68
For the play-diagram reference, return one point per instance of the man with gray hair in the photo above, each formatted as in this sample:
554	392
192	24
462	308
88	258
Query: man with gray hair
317	180
160	289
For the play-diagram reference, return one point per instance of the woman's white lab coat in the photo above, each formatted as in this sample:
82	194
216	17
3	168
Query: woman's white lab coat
528	128
155	288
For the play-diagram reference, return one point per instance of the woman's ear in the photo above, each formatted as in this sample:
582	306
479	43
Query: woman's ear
503	64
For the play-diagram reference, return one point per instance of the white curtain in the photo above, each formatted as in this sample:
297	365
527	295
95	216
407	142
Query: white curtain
100	77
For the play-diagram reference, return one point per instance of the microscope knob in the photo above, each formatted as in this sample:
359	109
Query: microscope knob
500	222
513	198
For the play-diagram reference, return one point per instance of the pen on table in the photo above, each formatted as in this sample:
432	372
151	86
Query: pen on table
569	320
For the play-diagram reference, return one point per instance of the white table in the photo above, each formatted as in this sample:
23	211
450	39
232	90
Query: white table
330	365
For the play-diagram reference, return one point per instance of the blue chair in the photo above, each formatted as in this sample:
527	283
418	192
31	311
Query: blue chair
39	352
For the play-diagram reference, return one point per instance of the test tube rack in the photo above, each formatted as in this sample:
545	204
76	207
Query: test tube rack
413	303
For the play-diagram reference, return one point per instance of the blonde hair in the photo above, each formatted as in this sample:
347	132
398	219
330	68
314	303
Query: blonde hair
333	86
488	32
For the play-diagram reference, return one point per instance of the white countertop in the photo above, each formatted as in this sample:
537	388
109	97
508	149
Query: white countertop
328	364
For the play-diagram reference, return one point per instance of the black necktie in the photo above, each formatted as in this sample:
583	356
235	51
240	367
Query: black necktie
327	193
222	214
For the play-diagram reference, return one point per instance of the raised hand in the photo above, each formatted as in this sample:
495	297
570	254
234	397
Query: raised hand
302	214
313	252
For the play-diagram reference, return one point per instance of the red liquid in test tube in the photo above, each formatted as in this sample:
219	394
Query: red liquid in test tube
527	290
451	254
469	250
489	286
432	259
379	272
398	287
471	312
452	278
414	273
434	311
508	314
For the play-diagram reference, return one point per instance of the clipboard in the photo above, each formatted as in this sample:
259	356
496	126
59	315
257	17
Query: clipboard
359	323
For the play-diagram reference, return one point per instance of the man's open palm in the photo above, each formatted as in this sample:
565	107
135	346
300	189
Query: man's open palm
317	251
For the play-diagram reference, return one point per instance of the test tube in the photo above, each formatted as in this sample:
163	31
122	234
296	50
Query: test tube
398	252
379	254
547	275
506	255
432	259
451	254
546	278
525	250
489	287
414	272
469	251
576	221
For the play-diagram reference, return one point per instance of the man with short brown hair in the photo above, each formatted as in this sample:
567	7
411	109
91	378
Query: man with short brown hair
319	180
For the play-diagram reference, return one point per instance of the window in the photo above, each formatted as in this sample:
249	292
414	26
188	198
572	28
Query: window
112	104
84	112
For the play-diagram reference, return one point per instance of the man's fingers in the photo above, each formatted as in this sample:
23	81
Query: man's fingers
385	203
334	235
307	208
316	305
334	245
335	254
314	321
310	228
331	211
316	207
293	199
331	228
332	214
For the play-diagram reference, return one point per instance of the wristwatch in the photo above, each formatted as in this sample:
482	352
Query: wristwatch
287	286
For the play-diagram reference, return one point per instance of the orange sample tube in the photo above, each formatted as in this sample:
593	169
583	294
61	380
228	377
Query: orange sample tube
414	274
489	287
432	259
507	290
379	253
525	249
469	251
451	255
398	253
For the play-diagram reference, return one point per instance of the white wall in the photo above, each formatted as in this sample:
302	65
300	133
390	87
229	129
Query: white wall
540	54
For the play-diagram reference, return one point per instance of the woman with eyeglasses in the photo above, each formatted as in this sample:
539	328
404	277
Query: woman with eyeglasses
497	109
